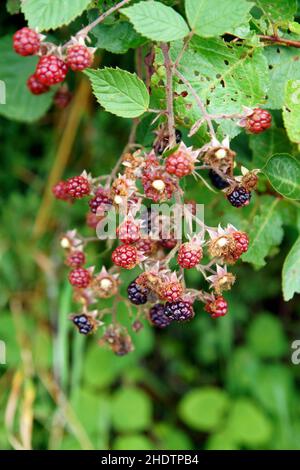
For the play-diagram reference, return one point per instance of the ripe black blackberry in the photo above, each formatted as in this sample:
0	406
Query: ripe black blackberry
83	324
157	316
217	181
137	294
239	197
179	310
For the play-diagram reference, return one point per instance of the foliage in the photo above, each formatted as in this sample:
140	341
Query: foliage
206	385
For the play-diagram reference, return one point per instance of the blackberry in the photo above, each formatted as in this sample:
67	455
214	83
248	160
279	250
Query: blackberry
83	323
217	181
137	294
239	197
157	316
179	310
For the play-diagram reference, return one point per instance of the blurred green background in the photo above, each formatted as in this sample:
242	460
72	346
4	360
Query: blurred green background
226	384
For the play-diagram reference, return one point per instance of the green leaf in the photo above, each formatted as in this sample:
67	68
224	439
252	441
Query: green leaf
266	144
119	92
226	77
13	6
208	18
95	373
156	21
278	11
20	105
283	172
247	424
131	410
284	63
133	442
291	110
266	337
45	14
203	409
291	272
265	232
171	437
118	37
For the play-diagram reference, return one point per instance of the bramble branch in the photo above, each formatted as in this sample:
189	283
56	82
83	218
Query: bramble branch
169	91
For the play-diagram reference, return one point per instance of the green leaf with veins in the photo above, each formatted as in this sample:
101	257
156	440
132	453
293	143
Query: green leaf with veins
45	14
266	144
291	110
284	64
208	18
265	231
156	21
278	11
118	37
291	272
283	172
119	92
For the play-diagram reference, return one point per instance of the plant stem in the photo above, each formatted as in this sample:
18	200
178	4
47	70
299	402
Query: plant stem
199	102
85	31
169	90
278	40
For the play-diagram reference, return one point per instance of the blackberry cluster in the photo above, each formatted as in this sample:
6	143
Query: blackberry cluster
179	310
158	317
239	197
83	324
217	181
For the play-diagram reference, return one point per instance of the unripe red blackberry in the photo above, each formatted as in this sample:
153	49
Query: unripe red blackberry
125	256
80	277
62	98
146	246
179	164
157	316
78	187
100	202
241	242
137	294
60	191
189	255
259	121
217	307
239	197
75	259
179	310
79	57
168	243
51	70
26	42
128	232
171	291
35	86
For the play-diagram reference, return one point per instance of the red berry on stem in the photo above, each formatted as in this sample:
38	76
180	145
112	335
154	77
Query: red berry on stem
217	307
128	232
60	191
189	256
80	277
125	256
171	291
76	259
26	42
100	202
78	187
62	98
51	70
79	57
179	164
35	86
241	243
259	121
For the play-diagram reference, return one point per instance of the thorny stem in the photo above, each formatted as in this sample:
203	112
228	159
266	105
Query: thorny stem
277	40
199	102
85	31
185	45
169	90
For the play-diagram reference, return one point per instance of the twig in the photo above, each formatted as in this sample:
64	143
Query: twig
278	40
199	102
185	45
85	31
169	91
